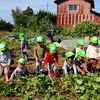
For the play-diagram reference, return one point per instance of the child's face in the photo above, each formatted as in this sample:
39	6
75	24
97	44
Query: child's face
40	43
20	65
80	58
81	46
93	44
71	59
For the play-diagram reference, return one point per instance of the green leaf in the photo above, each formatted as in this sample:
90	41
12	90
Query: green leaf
79	82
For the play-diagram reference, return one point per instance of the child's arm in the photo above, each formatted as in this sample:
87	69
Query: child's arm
87	52
14	74
57	59
9	59
79	70
64	68
35	54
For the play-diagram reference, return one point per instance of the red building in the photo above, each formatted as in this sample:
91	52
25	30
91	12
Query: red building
70	12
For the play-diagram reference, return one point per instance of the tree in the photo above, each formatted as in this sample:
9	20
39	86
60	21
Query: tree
85	28
5	26
24	19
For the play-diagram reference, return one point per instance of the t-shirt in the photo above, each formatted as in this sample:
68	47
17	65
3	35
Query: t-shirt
40	52
18	72
92	52
66	68
51	58
80	65
24	45
5	57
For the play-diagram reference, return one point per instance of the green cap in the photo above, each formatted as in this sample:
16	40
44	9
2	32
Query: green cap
40	39
99	42
21	35
22	38
69	54
5	43
53	48
3	46
94	39
22	61
81	42
81	53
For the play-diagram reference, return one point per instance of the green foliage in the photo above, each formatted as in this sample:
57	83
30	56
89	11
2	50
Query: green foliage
7	26
41	14
43	88
85	28
60	30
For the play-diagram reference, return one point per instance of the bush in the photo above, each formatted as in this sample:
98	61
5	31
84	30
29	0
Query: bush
85	28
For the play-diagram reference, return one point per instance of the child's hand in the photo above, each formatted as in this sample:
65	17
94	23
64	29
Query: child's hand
37	59
82	72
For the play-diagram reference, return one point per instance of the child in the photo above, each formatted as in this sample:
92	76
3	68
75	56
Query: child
51	60
23	46
80	64
5	60
99	48
21	70
92	54
69	66
80	44
39	52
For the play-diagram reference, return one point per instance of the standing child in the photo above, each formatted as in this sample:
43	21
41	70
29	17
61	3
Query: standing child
69	66
39	53
99	48
80	63
23	46
5	60
21	70
51	60
80	45
92	54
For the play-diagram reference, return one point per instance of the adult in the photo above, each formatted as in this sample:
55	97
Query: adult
51	32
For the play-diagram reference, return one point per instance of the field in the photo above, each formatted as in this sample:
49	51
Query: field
32	87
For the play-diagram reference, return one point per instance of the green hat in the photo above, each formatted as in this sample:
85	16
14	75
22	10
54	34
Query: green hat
69	54
81	53
53	48
94	39
3	46
21	35
40	39
22	38
5	43
22	61
80	42
99	42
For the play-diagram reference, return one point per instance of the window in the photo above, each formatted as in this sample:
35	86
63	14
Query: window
72	7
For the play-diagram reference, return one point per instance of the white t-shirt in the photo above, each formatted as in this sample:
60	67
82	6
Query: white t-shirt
92	52
77	49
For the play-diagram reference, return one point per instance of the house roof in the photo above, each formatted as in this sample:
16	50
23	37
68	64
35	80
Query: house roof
90	1
94	12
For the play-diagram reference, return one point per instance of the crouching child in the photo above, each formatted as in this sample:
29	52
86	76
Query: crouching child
21	70
69	66
80	62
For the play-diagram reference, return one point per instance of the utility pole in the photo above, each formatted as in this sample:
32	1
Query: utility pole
47	6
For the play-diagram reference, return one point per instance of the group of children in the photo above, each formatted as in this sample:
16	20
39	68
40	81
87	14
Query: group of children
75	63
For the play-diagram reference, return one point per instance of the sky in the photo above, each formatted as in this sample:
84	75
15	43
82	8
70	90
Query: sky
7	5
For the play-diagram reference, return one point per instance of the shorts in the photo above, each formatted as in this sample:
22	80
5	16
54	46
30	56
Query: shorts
4	68
40	65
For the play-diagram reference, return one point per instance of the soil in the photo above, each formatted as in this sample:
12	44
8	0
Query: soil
31	68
